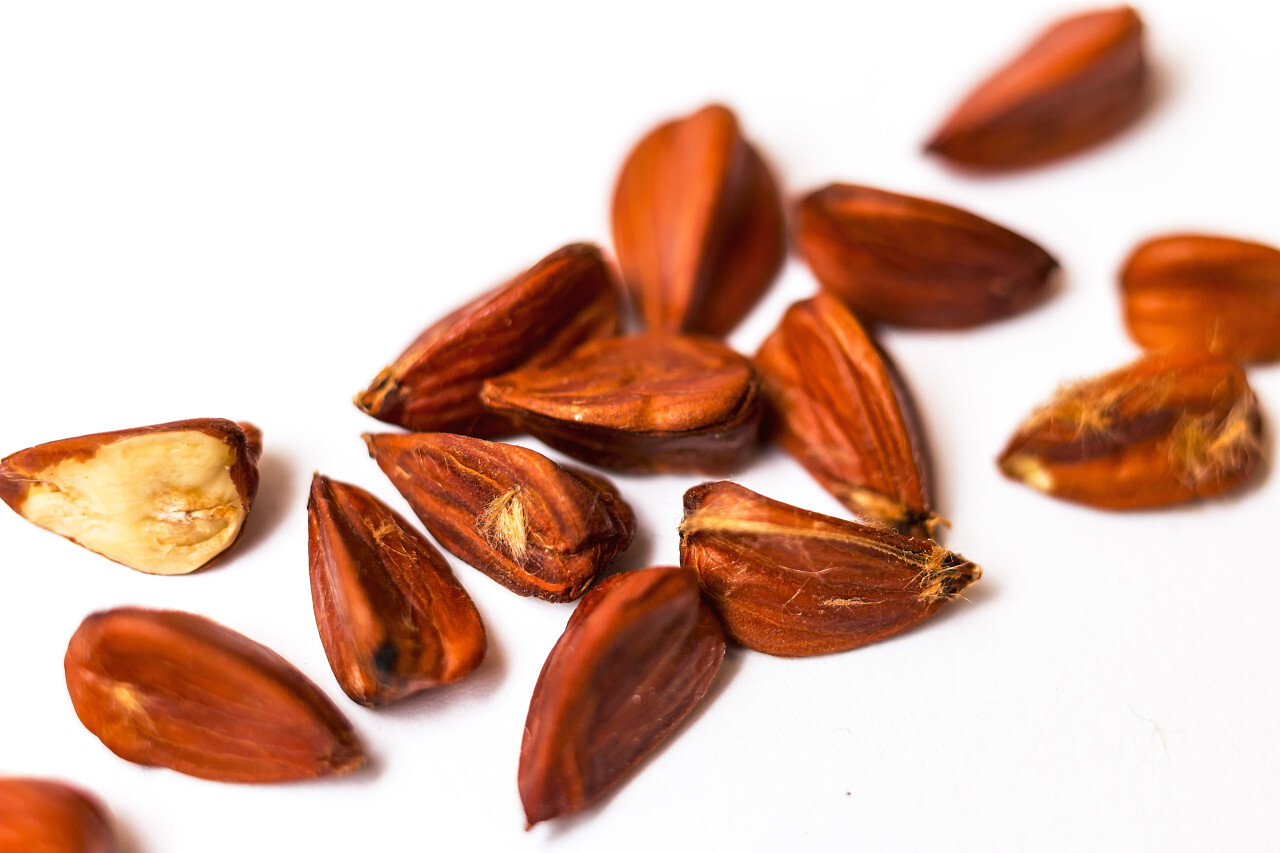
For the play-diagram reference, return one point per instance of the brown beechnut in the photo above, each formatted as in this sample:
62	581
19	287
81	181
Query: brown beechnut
647	403
697	224
392	617
164	499
566	299
1082	81
172	689
638	654
1168	428
841	411
790	582
42	816
1200	292
535	527
915	262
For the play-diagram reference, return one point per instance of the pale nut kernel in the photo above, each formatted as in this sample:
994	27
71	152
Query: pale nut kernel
164	499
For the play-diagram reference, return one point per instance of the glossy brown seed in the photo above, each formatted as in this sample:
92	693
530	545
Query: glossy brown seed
534	526
791	582
538	317
42	816
1083	80
392	617
1165	429
1202	292
840	410
638	654
176	690
646	403
164	499
698	224
916	262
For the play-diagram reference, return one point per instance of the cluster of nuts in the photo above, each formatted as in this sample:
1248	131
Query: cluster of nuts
699	233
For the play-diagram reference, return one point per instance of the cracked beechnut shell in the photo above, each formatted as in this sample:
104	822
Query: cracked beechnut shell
1168	428
165	499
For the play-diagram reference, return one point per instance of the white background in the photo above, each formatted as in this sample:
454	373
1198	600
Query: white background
244	209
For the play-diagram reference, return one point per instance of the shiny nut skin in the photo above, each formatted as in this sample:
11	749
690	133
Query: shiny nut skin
392	617
915	262
841	411
1082	81
172	689
698	224
792	583
637	656
532	525
644	403
536	318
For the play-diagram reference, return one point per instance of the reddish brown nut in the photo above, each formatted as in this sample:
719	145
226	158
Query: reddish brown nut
176	690
842	413
164	499
637	655
1196	291
392	617
42	816
1168	428
790	582
535	319
646	403
698	224
534	526
1083	80
916	262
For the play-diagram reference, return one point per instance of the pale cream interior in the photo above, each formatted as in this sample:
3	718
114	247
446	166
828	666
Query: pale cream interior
162	503
1029	470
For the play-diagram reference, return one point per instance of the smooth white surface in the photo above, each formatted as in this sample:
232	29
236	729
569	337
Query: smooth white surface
245	209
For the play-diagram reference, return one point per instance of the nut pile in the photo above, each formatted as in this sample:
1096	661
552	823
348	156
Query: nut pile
699	234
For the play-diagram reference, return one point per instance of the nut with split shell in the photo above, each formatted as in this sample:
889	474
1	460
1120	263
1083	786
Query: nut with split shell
165	499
